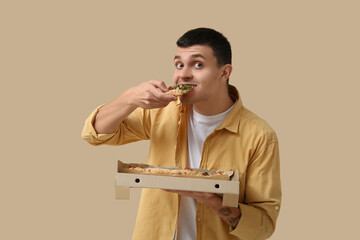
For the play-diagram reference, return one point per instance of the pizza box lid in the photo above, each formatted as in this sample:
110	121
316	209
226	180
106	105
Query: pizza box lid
125	180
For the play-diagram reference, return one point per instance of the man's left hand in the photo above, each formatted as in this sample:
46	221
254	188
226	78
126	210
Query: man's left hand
230	215
208	199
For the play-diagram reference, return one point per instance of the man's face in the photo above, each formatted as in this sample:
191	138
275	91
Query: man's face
197	65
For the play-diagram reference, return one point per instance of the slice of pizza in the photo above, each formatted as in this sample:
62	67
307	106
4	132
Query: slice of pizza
179	90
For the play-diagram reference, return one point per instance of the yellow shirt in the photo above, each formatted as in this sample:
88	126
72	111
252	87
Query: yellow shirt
242	142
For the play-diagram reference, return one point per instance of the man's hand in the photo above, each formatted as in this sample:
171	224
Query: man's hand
150	94
146	95
208	199
228	214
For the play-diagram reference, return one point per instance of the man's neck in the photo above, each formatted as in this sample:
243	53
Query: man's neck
215	107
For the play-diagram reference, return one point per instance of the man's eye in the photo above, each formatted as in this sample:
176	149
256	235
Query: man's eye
198	65
179	65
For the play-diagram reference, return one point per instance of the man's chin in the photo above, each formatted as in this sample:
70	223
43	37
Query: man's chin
185	99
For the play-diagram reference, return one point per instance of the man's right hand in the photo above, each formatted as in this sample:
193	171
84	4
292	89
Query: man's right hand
148	95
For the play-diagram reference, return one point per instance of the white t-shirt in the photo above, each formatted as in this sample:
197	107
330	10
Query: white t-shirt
199	128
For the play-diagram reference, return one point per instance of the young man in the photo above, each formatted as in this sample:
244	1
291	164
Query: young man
208	128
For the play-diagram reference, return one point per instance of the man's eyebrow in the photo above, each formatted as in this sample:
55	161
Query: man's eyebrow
192	56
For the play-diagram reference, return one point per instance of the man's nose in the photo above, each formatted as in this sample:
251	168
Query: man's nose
185	73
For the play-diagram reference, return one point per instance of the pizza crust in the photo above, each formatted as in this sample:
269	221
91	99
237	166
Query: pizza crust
177	92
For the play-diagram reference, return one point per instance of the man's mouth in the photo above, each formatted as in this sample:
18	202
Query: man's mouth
189	84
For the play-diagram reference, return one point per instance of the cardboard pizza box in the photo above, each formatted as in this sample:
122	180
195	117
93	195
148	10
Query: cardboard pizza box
125	179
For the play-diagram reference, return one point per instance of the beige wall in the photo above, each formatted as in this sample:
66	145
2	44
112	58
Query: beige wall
296	64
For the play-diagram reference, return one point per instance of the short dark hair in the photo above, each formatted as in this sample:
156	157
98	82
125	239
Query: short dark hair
207	36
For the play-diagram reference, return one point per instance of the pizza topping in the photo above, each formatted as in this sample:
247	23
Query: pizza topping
179	90
182	87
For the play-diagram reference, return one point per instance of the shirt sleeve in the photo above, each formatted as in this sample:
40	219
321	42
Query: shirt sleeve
134	128
263	196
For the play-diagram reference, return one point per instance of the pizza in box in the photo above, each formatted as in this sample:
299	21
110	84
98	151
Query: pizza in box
140	168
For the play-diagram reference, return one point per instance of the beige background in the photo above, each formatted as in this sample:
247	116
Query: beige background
296	64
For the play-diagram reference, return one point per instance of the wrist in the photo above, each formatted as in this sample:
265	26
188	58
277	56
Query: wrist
129	98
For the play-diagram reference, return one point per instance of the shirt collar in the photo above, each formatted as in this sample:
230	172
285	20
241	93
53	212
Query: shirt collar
232	120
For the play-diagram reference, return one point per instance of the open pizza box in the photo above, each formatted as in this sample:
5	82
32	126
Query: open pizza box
226	184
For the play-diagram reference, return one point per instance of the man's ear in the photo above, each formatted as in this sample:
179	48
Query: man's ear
226	72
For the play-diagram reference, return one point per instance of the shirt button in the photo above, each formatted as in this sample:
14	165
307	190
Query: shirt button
199	219
175	147
276	208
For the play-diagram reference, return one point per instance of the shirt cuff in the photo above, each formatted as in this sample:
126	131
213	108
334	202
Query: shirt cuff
89	133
